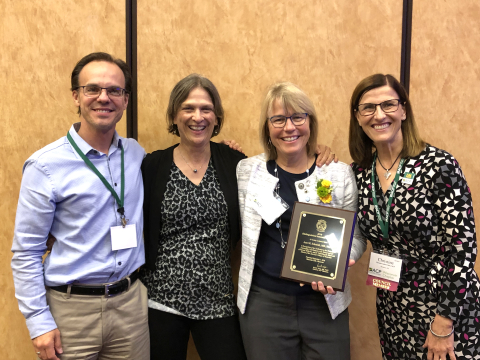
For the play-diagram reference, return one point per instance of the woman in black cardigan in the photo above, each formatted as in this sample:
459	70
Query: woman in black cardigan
191	224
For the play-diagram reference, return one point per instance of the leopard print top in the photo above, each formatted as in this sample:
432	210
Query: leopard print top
193	275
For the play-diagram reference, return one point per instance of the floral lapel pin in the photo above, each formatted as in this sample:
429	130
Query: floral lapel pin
324	190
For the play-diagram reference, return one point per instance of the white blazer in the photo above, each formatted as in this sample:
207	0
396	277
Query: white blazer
253	178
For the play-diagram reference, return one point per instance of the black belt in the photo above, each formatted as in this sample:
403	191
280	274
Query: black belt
109	289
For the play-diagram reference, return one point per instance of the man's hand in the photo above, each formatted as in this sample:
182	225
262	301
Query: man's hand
325	155
48	345
233	145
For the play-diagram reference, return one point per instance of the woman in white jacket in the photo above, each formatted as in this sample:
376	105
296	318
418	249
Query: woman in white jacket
280	319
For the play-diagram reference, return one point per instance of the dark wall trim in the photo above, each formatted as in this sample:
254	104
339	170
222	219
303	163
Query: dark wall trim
131	36
406	43
131	40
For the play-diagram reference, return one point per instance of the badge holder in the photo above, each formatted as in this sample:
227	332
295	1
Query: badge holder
270	207
384	270
281	201
123	237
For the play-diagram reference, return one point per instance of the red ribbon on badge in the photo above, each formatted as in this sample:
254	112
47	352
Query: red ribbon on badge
382	283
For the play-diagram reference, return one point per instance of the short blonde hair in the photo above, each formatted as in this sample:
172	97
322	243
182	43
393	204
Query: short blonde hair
291	97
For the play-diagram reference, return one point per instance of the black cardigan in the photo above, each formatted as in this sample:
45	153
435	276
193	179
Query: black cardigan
156	173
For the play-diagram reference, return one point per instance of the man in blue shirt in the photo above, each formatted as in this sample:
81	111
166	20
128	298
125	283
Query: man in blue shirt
86	190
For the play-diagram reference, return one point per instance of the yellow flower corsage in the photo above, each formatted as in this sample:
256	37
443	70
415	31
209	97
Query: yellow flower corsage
324	190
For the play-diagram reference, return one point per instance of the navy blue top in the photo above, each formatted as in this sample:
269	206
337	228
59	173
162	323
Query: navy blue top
269	255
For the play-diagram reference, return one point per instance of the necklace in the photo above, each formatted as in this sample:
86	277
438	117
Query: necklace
278	224
186	162
387	171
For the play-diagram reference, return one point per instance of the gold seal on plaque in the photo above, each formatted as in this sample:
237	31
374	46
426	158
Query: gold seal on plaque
321	225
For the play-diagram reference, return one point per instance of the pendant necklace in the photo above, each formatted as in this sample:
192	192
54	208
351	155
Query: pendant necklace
278	224
186	162
387	171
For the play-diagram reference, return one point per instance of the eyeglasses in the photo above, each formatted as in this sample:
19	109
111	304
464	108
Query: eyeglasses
95	91
279	121
387	106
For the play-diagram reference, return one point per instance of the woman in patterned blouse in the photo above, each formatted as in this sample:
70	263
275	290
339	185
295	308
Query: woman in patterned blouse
431	228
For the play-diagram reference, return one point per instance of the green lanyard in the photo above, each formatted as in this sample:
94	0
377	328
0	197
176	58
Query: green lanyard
120	200
384	224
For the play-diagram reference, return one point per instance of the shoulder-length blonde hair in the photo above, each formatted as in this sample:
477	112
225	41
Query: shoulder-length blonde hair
360	145
291	98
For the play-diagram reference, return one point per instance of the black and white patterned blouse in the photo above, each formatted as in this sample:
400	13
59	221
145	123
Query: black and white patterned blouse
432	227
193	274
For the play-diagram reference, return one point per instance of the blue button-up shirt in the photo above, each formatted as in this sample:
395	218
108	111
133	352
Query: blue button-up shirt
60	194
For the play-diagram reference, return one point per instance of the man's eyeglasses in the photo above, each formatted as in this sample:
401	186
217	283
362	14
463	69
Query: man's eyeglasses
387	106
279	121
95	91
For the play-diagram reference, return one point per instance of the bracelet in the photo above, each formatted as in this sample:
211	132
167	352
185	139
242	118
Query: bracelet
440	336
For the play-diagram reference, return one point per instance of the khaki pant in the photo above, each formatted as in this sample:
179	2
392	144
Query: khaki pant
99	327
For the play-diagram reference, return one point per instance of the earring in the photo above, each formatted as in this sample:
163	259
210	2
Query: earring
175	130
269	143
215	130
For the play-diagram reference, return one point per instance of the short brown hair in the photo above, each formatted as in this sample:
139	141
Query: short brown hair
360	145
180	93
291	97
100	56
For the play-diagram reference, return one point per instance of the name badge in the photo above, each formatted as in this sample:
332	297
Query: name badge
384	271
123	237
270	207
408	178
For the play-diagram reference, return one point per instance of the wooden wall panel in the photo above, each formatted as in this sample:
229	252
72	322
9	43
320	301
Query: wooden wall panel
325	47
445	77
41	42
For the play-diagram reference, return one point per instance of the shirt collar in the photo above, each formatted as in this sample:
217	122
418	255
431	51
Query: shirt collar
116	143
86	147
